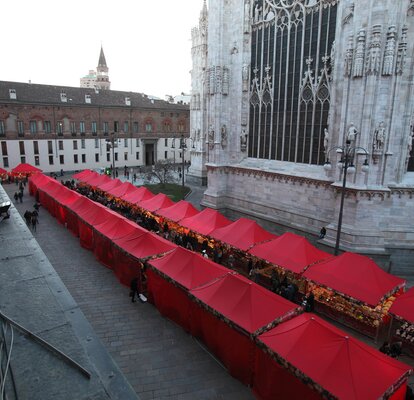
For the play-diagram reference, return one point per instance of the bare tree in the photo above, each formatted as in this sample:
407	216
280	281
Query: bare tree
163	171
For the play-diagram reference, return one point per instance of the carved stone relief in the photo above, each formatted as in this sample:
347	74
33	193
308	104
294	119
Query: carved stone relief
359	54
389	52
402	51
374	52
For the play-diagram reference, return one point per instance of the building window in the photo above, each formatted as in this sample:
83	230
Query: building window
136	127
82	127
165	154
49	147
137	142
59	128
4	148
60	144
75	145
166	142
96	157
62	159
105	128
21	148
82	143
73	128
33	127
75	158
20	128
116	156
137	155
35	147
97	143
23	159
126	156
126	126
108	157
125	142
2	130
116	126
290	82
50	160
5	162
37	161
47	126
83	158
94	128
148	127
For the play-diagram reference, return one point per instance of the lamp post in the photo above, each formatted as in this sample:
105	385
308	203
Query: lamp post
183	148
347	165
111	142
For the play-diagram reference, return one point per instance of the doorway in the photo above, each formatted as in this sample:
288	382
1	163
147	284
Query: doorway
149	154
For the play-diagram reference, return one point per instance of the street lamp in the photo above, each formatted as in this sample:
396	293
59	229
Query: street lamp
111	142
347	165
183	148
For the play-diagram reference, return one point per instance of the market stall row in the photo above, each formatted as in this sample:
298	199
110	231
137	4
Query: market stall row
257	334
350	288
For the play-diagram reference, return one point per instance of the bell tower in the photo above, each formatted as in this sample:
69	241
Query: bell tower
102	77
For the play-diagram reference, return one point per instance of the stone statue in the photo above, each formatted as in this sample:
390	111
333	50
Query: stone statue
410	142
243	141
379	136
352	133
223	136
211	134
326	140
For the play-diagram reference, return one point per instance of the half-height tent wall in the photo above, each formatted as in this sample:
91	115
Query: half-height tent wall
172	276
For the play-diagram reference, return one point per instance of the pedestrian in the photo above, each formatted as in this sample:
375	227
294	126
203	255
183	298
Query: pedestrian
16	196
275	282
322	233
34	221
20	195
308	302
205	255
28	217
134	289
36	206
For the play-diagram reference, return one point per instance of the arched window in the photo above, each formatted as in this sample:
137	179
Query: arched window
290	79
167	125
149	125
181	126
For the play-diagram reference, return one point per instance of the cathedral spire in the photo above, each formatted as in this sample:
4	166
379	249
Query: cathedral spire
102	61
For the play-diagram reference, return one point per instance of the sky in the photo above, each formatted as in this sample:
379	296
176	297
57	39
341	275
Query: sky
147	43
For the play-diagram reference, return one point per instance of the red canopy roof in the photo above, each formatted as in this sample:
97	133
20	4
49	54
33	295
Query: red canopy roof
144	245
121	190
242	234
2	171
156	202
25	169
403	306
40	180
66	197
243	302
289	251
118	227
205	221
113	183
88	177
139	194
96	214
356	276
99	180
178	211
82	205
82	174
187	268
342	365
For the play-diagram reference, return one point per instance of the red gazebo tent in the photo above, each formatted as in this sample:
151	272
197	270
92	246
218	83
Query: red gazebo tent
356	276
131	250
205	221
99	180
403	306
47	194
88	177
155	203
178	211
121	190
114	228
25	170
112	184
308	358
72	218
242	234
36	181
229	312
172	276
83	174
63	199
290	252
3	173
139	194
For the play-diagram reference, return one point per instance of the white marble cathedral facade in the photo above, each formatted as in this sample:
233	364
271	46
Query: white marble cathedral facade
277	85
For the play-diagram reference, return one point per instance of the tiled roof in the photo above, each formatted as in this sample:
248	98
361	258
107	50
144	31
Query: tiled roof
50	94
